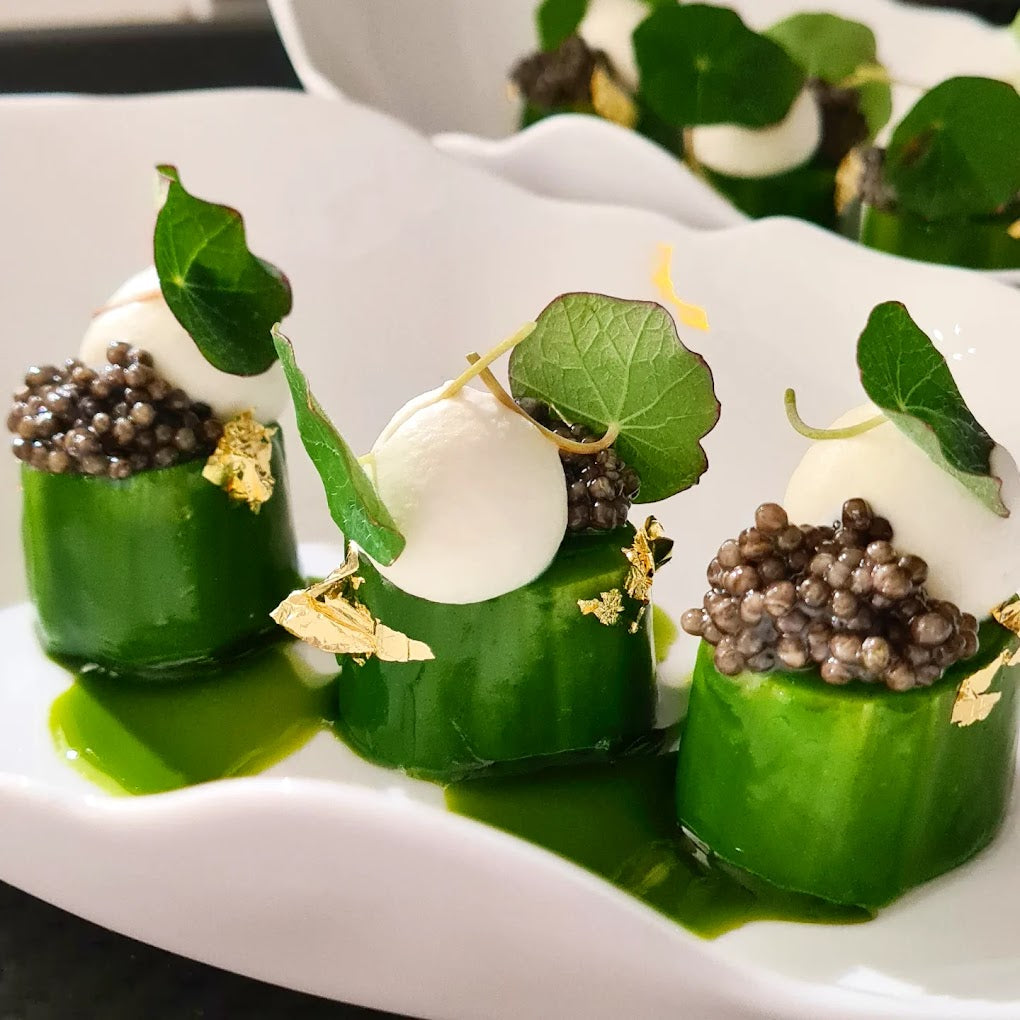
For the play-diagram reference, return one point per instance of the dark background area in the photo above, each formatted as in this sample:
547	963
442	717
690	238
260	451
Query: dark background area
54	966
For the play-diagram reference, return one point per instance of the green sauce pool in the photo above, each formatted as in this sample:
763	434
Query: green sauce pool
616	820
619	821
152	738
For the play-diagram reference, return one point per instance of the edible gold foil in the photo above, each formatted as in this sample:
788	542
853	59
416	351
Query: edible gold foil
240	464
973	702
651	549
610	101
1008	615
690	315
606	609
328	616
848	180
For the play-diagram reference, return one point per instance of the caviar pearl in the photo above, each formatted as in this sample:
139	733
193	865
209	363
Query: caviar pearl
74	420
874	622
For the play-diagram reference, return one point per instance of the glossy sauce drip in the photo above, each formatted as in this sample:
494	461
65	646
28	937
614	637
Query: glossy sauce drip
619	821
616	820
151	738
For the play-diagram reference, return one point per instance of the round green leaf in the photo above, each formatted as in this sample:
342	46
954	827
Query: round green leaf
601	362
703	65
904	374
842	53
557	20
223	295
956	154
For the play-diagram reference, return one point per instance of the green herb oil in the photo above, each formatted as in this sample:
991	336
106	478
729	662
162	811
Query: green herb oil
149	738
619	821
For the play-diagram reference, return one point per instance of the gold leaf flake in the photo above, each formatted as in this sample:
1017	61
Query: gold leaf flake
651	549
1008	615
849	175
611	101
1014	230
606	609
973	702
327	616
240	464
690	315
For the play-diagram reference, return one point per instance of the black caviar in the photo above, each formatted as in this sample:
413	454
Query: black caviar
600	487
561	77
844	125
841	598
114	421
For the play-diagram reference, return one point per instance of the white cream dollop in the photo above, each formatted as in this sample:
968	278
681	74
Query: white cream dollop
138	314
476	490
761	152
609	25
973	555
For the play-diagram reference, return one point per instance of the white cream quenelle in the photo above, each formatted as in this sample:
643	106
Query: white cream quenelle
138	314
761	152
476	490
609	25
973	555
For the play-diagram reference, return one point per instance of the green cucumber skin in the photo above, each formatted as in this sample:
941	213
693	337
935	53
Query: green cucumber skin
806	192
158	573
853	794
515	680
978	244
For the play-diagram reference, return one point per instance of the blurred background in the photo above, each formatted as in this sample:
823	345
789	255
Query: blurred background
110	46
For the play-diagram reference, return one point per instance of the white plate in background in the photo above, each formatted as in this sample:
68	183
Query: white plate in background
345	880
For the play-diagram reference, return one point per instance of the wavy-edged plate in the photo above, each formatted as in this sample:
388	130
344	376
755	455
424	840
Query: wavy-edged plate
335	877
442	68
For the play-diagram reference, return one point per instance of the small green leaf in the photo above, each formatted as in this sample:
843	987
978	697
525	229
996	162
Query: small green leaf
601	361
353	502
956	154
703	65
225	297
842	53
557	20
909	380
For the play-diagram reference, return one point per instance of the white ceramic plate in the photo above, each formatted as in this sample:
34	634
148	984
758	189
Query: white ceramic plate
338	878
442	68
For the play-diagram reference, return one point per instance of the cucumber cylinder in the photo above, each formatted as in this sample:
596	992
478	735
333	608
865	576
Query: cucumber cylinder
517	681
157	574
976	244
806	192
853	793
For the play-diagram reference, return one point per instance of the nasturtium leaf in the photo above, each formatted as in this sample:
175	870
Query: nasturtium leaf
956	154
905	375
601	361
353	502
703	65
557	20
842	53
225	297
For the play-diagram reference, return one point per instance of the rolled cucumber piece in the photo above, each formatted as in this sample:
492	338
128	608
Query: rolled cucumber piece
517	682
975	244
158	574
853	794
807	192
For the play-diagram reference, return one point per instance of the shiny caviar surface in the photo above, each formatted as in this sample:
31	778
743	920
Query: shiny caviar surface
109	422
839	598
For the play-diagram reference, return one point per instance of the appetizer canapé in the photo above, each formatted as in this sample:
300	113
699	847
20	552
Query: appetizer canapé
492	610
946	188
852	723
766	118
138	560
